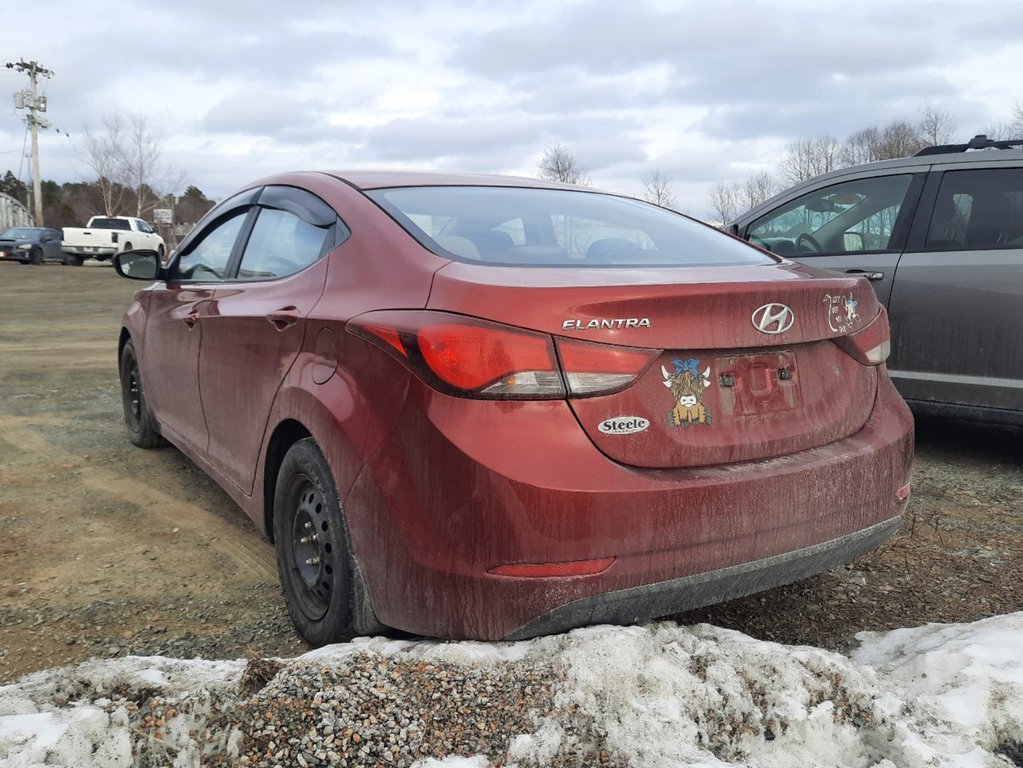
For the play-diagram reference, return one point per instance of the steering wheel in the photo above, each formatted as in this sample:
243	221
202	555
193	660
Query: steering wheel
808	243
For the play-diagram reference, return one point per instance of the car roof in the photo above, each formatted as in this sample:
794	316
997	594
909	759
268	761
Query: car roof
369	179
947	159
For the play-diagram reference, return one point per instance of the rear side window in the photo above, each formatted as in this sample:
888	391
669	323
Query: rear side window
854	216
521	226
281	244
978	209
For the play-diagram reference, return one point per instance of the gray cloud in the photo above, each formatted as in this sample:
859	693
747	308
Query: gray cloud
689	88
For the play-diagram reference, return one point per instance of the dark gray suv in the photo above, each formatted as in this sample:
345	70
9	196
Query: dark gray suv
940	237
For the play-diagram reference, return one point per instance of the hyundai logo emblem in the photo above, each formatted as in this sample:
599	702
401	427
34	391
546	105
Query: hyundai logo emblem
773	318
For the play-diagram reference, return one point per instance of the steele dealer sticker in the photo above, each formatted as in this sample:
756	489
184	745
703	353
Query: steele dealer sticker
623	425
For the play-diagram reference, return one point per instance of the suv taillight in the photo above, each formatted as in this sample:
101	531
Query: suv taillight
469	357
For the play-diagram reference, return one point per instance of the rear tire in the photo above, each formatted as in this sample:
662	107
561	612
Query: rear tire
73	260
143	429
318	573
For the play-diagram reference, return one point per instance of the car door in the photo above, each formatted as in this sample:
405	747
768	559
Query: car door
51	244
256	324
856	226
956	307
178	311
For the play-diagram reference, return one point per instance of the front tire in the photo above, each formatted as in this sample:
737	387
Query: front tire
36	256
314	559
143	429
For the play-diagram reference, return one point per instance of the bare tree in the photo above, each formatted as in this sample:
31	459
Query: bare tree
144	167
126	158
756	189
723	202
558	164
658	191
869	145
936	127
728	201
1010	129
104	152
141	159
808	158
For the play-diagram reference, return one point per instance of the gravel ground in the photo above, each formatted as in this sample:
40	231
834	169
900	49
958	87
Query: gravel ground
107	550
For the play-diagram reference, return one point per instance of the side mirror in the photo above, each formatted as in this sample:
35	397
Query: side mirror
853	241
139	265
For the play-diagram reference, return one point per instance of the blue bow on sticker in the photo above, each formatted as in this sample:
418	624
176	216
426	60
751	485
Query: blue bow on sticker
687	366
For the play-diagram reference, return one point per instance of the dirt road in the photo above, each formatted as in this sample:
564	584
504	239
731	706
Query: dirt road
106	549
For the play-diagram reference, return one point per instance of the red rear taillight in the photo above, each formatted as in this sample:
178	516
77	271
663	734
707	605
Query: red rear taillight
592	369
465	356
469	357
870	345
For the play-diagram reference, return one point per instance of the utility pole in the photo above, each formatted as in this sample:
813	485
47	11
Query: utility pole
28	99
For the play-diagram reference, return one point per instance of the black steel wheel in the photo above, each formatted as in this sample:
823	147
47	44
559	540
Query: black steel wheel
36	255
143	429
313	557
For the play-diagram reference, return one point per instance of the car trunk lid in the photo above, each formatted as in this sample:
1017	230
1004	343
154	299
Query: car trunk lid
747	366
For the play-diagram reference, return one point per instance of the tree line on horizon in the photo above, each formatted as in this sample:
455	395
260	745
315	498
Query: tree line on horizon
131	177
805	159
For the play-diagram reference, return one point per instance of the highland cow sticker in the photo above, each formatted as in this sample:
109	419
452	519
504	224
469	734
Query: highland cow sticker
687	385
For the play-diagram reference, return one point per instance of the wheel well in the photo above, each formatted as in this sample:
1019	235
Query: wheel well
124	338
285	435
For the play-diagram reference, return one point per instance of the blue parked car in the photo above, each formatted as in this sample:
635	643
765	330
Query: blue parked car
31	245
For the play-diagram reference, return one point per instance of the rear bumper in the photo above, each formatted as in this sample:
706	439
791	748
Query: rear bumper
94	251
627	606
462	487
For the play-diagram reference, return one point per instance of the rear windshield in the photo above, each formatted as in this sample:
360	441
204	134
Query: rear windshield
109	224
553	227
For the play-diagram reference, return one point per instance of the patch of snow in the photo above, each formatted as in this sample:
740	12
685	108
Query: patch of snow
659	696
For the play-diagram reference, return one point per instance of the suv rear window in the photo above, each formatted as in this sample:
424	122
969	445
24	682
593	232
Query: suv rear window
521	226
978	209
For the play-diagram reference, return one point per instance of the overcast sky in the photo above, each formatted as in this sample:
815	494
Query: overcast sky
701	91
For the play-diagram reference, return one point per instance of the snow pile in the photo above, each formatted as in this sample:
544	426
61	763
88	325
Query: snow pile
657	696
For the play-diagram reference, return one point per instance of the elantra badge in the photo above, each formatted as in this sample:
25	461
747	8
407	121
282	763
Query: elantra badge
773	318
606	322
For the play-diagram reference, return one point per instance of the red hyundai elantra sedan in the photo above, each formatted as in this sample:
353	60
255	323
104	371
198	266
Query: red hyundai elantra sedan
484	407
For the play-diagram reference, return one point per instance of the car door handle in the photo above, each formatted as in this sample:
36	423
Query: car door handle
284	317
873	276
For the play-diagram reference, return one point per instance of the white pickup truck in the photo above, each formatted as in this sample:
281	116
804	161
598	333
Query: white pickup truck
105	236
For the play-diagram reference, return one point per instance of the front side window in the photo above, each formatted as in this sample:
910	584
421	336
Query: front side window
281	244
978	209
853	216
521	226
208	259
